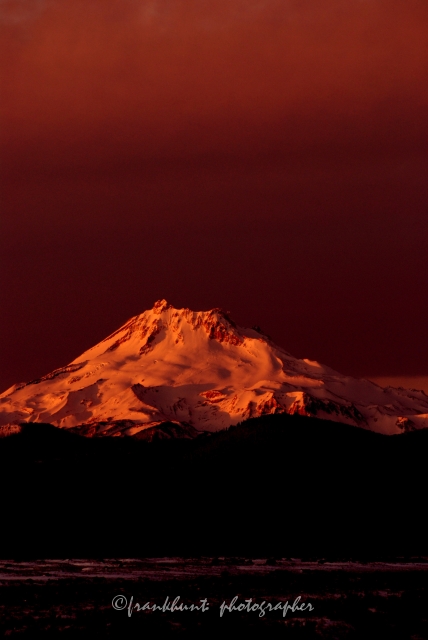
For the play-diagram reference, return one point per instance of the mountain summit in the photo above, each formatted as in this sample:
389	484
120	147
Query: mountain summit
180	372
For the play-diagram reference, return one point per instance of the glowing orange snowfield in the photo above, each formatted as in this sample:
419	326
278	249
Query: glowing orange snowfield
202	372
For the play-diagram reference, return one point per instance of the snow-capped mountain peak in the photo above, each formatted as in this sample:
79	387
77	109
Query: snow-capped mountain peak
202	372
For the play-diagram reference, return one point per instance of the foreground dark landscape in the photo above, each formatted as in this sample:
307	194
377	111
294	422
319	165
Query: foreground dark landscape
73	598
277	508
274	486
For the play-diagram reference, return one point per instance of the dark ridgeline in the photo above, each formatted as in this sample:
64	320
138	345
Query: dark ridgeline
274	486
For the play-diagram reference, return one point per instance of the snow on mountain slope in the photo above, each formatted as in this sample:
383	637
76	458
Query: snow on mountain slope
201	372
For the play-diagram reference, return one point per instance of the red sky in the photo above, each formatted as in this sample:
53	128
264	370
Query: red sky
267	157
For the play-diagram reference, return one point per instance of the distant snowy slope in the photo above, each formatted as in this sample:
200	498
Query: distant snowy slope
203	373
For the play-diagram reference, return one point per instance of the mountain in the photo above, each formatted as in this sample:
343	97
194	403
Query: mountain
176	372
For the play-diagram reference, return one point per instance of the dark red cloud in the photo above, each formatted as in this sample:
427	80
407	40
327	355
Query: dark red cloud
268	157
